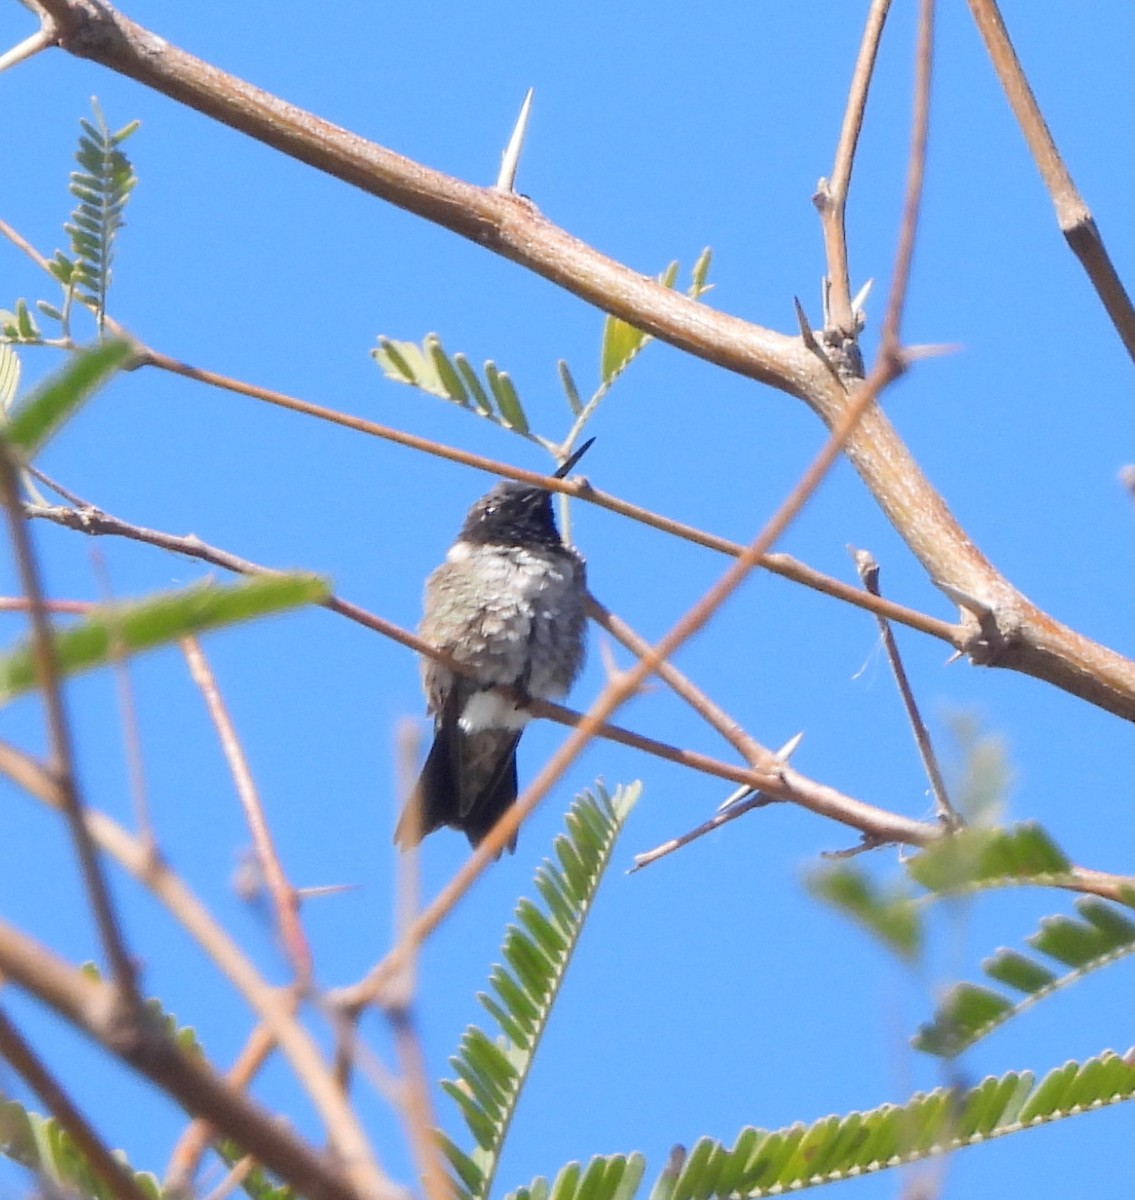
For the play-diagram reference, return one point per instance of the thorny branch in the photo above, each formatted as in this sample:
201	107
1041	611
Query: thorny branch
1002	627
815	797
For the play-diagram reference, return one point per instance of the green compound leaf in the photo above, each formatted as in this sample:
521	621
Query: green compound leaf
890	915
44	1147
102	186
113	631
31	425
979	857
430	369
537	949
969	1011
774	1163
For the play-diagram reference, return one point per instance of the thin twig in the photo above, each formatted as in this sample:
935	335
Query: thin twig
831	195
59	736
915	176
274	1007
731	730
284	898
868	570
127	709
756	800
398	999
1072	213
193	1143
19	1055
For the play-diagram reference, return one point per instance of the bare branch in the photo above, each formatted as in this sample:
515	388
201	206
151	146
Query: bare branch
831	195
91	1005
61	765
284	897
869	572
1072	213
916	174
23	1059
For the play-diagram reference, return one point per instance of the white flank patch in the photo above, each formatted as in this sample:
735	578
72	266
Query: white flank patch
490	710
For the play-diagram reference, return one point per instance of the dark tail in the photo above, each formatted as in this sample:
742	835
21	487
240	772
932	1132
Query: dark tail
453	790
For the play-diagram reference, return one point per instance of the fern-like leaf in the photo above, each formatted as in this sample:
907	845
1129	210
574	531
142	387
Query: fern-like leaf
537	950
430	369
968	1012
771	1163
44	1147
101	186
979	858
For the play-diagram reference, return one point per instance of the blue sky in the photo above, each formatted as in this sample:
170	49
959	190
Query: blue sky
710	991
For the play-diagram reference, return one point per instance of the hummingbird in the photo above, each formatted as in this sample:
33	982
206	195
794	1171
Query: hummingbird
507	604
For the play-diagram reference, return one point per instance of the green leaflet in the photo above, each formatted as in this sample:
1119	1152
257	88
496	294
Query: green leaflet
968	1012
110	632
622	342
43	1146
430	369
31	424
888	913
979	857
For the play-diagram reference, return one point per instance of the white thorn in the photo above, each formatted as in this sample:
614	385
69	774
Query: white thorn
510	159
789	748
861	296
40	40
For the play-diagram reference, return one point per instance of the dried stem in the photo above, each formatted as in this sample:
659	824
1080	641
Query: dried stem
193	1143
831	195
90	1006
1072	213
16	1052
60	763
284	898
868	570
